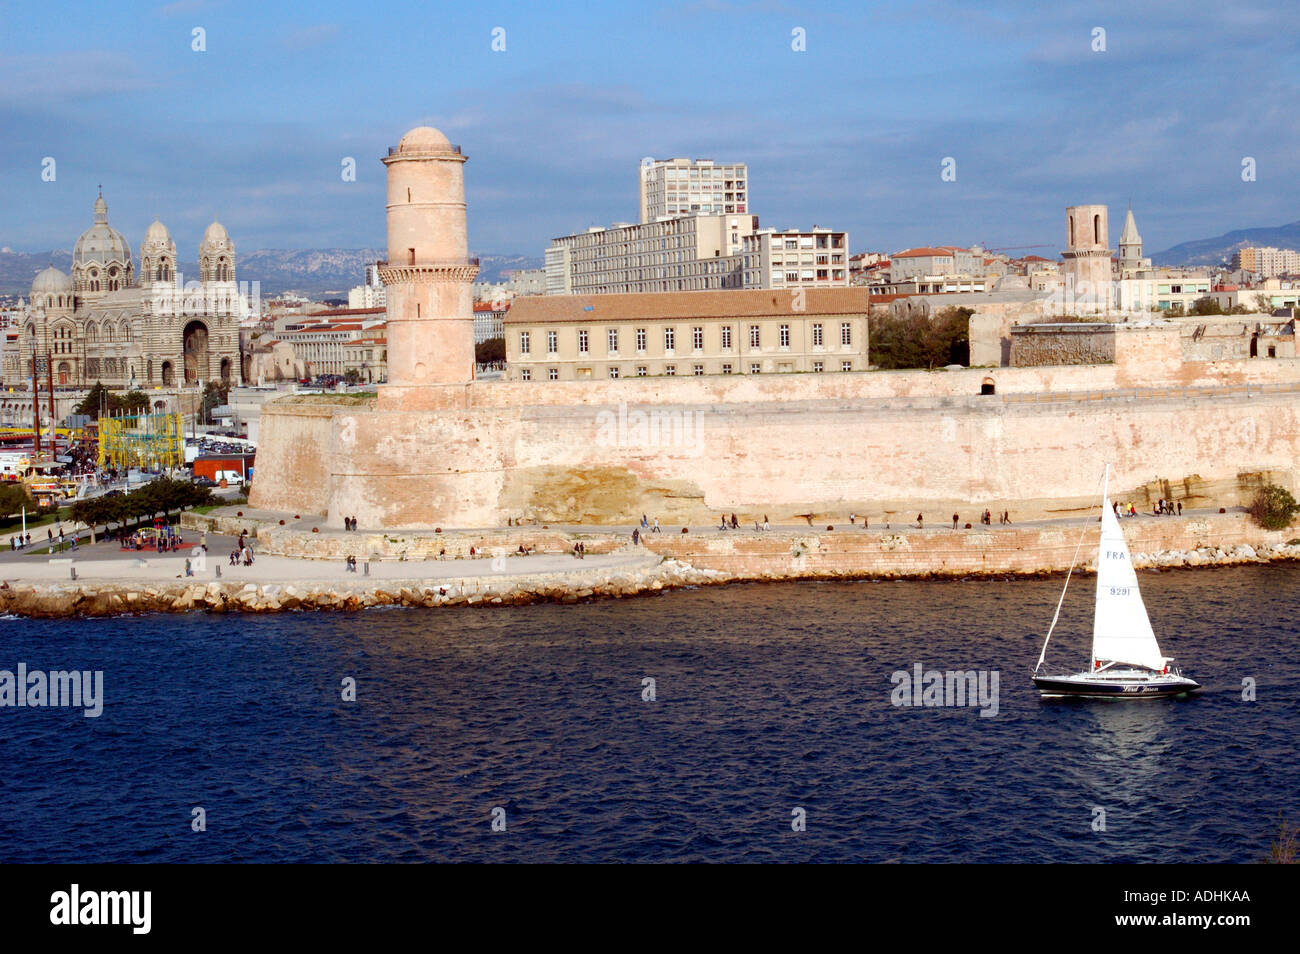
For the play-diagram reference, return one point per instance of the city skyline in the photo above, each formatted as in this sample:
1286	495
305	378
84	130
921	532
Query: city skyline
1035	118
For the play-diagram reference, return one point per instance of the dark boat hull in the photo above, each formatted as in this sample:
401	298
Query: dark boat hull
1127	689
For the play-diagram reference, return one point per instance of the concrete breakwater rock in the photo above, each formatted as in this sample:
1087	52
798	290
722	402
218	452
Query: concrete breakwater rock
116	598
113	598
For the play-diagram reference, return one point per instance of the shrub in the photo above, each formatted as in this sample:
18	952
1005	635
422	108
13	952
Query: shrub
1273	507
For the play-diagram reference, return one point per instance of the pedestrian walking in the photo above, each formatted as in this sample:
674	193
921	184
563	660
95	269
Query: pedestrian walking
656	527
920	522
636	537
852	517
766	525
1180	508
954	521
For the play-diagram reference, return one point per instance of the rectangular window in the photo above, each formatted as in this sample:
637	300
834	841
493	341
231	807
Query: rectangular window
640	339
640	370
553	374
846	333
697	369
613	340
582	341
818	367
670	370
726	337
552	341
817	335
697	339
670	335
785	336
846	365
754	336
613	370
523	342
726	369
525	374
755	368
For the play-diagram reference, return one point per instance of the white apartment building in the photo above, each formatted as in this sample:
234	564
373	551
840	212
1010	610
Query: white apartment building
694	253
674	187
794	259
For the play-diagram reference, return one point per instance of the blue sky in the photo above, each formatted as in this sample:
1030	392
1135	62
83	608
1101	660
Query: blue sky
850	133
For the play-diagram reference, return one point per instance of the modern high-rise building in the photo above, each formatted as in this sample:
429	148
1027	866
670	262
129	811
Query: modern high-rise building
692	253
1267	261
795	259
673	187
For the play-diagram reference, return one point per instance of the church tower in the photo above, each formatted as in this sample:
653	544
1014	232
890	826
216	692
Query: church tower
157	255
428	276
1087	259
1130	248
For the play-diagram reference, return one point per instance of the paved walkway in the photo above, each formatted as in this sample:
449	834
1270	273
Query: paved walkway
106	562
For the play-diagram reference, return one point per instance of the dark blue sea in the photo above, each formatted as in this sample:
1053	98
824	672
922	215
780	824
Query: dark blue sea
769	698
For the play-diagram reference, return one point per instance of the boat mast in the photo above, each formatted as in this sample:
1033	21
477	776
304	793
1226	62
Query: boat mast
1068	573
1105	492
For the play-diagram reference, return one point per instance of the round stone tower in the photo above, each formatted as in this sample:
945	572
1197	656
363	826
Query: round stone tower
428	277
1087	258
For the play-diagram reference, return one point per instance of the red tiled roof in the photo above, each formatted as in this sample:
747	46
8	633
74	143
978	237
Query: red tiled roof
923	252
347	311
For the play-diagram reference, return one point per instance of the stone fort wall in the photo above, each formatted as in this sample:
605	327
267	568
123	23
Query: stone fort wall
788	447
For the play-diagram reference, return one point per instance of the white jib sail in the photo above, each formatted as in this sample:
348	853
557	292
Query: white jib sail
1121	630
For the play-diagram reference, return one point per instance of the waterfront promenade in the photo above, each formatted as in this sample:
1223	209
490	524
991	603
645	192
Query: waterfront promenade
299	565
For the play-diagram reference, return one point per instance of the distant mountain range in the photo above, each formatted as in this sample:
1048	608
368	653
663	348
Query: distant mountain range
319	273
1212	251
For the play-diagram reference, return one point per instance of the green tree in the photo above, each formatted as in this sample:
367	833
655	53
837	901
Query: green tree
921	342
14	497
1206	306
132	402
1273	507
214	396
97	399
494	349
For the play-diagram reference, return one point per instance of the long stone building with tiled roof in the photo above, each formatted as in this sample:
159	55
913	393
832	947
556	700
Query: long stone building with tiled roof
578	337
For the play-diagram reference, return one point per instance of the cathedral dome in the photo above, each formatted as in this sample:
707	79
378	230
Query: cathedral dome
157	234
101	244
52	282
424	139
216	234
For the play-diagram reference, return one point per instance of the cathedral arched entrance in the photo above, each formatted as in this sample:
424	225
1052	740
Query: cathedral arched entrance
168	374
195	347
225	370
65	372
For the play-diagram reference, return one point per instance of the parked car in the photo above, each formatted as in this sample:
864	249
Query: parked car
205	481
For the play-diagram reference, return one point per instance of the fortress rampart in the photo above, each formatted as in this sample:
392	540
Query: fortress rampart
687	449
438	449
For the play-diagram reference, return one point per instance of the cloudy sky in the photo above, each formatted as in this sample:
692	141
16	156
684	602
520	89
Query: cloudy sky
849	133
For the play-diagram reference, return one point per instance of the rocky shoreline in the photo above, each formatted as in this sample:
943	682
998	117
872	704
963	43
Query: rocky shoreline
115	598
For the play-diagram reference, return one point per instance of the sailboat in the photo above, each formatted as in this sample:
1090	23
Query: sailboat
1126	659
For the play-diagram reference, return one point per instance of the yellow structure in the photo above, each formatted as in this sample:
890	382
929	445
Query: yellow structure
141	440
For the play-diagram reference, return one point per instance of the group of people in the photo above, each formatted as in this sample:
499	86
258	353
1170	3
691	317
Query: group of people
349	523
242	553
580	551
19	541
1161	508
350	563
645	525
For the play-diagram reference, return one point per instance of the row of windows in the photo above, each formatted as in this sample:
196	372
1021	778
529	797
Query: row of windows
697	338
670	370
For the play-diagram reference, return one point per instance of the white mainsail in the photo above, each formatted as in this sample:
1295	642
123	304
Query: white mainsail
1121	629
